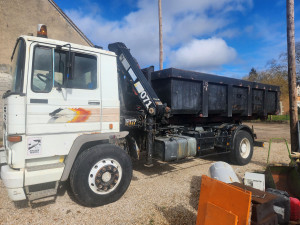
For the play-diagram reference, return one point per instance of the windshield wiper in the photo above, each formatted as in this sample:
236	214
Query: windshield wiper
6	94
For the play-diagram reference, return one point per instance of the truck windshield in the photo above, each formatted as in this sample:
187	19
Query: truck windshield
18	59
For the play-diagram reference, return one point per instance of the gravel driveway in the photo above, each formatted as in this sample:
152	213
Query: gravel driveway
163	194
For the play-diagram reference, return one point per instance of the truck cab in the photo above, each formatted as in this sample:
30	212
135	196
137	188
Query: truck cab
63	96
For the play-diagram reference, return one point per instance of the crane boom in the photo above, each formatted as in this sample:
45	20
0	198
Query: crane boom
129	66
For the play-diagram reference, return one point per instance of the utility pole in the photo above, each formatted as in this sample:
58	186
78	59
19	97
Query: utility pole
160	36
292	74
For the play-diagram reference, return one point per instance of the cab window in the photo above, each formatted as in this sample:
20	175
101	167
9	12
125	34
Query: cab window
18	60
60	68
84	72
51	63
42	75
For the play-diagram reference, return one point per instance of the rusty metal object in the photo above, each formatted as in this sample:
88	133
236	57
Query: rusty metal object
269	220
106	178
285	178
262	205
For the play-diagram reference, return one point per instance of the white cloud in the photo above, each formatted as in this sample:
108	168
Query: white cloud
200	6
203	54
138	30
191	26
183	22
229	33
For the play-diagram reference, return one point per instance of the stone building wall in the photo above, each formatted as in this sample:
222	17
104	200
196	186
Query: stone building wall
19	17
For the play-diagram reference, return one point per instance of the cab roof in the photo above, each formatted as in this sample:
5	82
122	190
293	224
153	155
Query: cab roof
61	43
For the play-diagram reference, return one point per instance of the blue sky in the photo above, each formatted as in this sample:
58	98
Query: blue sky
225	37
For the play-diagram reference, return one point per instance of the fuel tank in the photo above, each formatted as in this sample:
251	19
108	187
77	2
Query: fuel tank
175	147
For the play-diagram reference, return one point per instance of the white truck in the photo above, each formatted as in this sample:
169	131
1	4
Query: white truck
79	114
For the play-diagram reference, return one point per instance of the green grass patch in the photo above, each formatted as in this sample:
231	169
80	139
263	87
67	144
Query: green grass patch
278	118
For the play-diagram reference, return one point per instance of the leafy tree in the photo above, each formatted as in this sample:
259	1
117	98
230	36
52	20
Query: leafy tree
253	75
274	74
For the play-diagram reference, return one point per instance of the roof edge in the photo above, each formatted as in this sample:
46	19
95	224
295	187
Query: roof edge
71	23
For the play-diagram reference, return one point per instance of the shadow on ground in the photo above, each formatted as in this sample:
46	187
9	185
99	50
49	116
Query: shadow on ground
221	157
195	191
258	163
160	167
178	215
35	204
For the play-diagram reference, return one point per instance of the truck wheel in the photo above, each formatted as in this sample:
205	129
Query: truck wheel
242	152
100	175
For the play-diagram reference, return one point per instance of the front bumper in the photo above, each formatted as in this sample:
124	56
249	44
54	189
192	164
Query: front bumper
13	181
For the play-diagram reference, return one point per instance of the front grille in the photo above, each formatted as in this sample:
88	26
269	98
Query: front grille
4	136
4	113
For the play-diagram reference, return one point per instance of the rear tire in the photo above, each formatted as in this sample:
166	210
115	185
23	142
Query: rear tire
100	175
242	152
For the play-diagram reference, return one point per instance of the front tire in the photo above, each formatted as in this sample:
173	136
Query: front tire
100	175
242	152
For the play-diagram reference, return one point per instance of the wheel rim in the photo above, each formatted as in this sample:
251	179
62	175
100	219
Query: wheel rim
245	148
105	176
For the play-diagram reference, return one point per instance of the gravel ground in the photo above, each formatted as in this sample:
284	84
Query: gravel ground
265	131
163	194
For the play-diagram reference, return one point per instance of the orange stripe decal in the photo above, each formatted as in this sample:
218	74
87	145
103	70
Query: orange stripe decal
81	115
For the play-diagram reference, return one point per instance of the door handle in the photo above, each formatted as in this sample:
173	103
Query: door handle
94	102
42	101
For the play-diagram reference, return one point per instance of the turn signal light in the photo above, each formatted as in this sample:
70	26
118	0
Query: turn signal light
111	126
14	138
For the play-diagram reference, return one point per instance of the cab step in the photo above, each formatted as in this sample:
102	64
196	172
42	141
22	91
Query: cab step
41	194
40	191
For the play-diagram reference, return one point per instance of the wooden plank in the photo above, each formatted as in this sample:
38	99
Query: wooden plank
258	196
230	198
217	215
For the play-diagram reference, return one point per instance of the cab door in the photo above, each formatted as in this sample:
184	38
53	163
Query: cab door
61	99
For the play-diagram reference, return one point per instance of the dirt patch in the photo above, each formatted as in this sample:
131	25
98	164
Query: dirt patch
265	131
